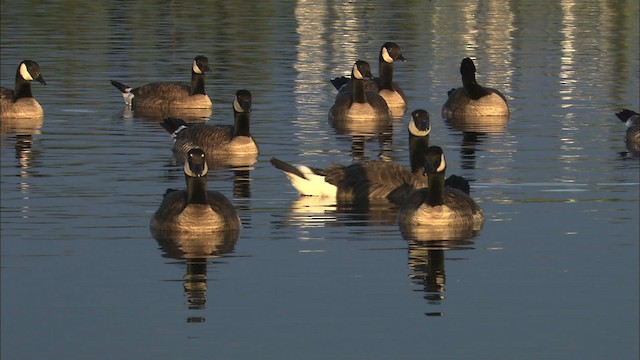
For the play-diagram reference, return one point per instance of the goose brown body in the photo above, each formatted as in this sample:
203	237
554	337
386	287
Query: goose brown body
473	99
19	102
439	205
384	85
366	180
195	209
170	95
217	141
359	108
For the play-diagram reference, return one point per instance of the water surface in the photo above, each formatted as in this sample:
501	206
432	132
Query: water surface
553	274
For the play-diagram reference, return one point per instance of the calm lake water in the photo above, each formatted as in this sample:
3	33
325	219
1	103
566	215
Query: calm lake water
552	275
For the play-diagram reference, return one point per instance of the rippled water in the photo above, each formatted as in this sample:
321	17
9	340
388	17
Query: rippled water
553	274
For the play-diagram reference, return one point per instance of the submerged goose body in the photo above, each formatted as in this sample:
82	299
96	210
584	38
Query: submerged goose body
473	99
632	136
195	209
358	107
439	205
19	102
384	84
366	180
217	140
170	95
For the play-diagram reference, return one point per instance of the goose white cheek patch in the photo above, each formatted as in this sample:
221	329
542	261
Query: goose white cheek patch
236	106
195	68
24	72
443	164
417	132
385	55
356	73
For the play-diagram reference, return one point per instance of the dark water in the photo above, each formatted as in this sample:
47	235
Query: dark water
552	275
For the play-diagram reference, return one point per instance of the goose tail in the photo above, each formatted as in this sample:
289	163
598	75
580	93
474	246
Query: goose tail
174	125
125	90
625	114
307	181
339	82
120	86
287	168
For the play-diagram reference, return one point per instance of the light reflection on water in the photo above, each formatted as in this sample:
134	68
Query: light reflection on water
79	187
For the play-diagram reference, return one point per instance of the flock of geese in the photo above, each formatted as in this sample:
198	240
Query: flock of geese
425	197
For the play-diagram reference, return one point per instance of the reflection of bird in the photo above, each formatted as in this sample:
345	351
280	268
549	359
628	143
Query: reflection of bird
20	103
359	108
383	85
195	209
219	142
473	99
170	95
427	266
439	205
361	181
632	136
198	249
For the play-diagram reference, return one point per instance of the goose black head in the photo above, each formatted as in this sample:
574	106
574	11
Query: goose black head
242	101
467	67
200	64
391	52
361	70
420	125
196	163
29	70
434	161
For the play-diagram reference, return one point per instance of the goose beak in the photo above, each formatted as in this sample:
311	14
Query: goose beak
40	79
198	169
401	58
245	105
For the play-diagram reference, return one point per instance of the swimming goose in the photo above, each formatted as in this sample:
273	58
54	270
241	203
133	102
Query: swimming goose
170	95
20	103
195	209
439	205
361	181
217	140
358	106
632	136
383	85
473	99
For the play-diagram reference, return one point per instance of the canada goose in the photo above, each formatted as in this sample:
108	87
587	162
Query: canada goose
217	140
358	106
20	103
383	85
439	205
361	181
170	95
195	209
632	136
473	99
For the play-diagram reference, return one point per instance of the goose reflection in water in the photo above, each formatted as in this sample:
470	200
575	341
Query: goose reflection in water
194	116
24	130
316	211
197	251
427	258
359	140
475	129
